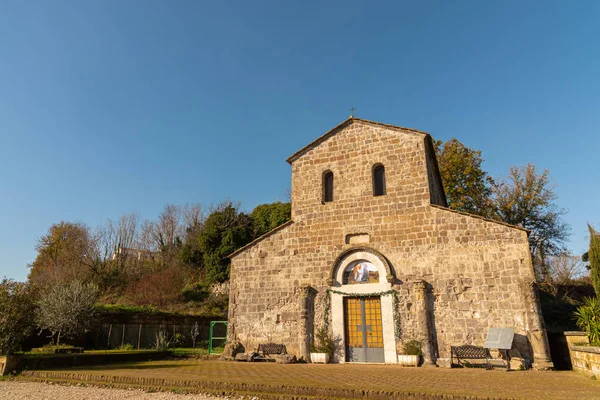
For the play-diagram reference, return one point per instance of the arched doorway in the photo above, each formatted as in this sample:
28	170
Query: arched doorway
362	315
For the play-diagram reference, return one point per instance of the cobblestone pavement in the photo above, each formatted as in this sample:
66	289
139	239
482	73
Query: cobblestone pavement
42	391
559	385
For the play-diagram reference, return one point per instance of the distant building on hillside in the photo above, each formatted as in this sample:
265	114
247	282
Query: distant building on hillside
131	253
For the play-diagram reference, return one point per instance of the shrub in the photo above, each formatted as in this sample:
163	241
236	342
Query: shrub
161	341
126	309
413	348
194	333
16	315
126	347
52	348
178	340
195	292
587	318
323	343
159	289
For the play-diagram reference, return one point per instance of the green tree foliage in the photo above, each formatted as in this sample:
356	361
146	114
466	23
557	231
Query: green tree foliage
16	314
527	198
225	230
67	309
65	253
593	256
266	217
588	318
467	185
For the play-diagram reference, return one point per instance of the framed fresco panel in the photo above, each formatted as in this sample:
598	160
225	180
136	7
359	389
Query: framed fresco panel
360	272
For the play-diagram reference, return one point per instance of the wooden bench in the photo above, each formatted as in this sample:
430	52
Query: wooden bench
469	352
266	350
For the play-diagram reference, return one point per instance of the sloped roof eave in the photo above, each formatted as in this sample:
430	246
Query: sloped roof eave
260	238
482	218
335	130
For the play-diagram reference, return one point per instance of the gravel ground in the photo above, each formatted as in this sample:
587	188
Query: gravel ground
42	391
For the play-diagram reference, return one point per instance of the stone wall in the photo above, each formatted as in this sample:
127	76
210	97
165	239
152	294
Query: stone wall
560	347
475	273
8	364
586	359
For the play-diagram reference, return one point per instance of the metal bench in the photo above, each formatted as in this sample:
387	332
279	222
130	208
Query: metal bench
266	350
469	352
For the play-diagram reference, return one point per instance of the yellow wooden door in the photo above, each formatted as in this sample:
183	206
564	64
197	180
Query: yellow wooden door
364	332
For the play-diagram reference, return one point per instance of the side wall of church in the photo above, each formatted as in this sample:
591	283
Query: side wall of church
478	272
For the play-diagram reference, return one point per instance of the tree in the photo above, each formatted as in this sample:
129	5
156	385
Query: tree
593	255
565	267
117	249
225	230
266	217
167	234
65	254
67	309
527	198
16	314
467	185
190	253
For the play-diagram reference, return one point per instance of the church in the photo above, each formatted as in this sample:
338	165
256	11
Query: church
373	254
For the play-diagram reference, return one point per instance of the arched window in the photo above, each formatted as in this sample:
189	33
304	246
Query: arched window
327	186
378	180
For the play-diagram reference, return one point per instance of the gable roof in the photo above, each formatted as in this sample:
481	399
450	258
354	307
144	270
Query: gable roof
338	128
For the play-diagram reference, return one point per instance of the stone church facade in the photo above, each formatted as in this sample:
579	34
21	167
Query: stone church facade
373	254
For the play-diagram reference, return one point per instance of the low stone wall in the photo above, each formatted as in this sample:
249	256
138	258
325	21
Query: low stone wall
8	364
560	343
586	359
52	361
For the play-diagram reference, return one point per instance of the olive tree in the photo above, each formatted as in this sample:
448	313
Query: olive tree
67	309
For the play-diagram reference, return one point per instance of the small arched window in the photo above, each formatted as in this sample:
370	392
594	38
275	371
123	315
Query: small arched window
378	180
327	186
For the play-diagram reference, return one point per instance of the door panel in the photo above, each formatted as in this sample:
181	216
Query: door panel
364	333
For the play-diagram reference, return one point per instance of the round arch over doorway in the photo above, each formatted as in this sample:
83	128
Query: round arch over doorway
389	274
357	318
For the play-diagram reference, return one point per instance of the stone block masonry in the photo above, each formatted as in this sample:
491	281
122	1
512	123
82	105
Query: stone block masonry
454	275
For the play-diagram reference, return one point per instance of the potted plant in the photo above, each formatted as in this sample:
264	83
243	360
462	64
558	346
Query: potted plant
322	348
411	354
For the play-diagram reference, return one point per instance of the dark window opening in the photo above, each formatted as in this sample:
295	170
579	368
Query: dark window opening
378	180
327	186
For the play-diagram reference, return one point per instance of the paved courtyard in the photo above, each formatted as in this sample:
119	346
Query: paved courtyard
347	380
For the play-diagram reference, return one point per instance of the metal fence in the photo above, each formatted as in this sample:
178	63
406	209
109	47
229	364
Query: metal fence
145	335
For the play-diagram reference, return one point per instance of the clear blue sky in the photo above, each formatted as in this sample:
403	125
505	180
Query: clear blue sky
111	107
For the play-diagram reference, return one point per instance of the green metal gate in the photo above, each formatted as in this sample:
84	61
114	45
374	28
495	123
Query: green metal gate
211	337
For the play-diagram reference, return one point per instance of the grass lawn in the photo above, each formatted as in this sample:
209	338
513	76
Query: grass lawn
187	351
177	351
